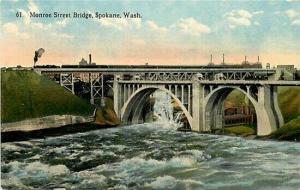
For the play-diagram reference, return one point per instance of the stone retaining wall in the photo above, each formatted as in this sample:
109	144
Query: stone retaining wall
45	122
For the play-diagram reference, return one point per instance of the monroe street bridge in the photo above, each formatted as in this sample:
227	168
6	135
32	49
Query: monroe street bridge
200	92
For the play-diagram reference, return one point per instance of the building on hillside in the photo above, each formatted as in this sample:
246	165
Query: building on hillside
83	62
86	77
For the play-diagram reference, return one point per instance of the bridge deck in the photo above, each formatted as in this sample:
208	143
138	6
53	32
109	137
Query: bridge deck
251	82
221	82
177	70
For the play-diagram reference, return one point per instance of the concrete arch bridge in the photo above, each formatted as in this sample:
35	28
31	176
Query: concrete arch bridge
202	102
199	92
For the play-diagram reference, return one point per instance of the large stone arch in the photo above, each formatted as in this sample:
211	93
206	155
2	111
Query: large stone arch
132	109
267	118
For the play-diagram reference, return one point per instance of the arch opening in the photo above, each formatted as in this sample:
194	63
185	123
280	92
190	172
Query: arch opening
231	109
139	108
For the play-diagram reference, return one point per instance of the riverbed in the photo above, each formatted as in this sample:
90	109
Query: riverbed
149	156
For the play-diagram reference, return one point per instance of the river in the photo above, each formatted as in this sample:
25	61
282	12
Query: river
149	156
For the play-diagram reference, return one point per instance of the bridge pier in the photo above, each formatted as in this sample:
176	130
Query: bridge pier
198	121
67	81
269	117
97	88
276	108
117	96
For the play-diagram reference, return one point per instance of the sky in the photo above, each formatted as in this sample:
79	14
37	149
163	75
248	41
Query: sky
168	32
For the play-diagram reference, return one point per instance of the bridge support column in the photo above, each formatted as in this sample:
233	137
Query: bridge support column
117	97
125	91
67	81
198	107
269	118
276	107
128	90
189	98
72	81
92	101
182	94
218	114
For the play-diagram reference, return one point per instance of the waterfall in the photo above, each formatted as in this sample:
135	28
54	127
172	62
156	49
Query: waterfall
163	110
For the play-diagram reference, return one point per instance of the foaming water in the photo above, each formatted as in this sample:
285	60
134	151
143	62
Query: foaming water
149	156
163	111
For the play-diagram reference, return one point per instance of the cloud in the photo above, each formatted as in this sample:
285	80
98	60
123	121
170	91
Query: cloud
256	23
296	22
32	6
291	13
241	18
63	36
192	27
138	42
13	29
66	36
258	12
137	22
244	13
62	23
153	26
10	28
233	22
38	25
120	24
277	12
292	0
41	26
25	15
238	18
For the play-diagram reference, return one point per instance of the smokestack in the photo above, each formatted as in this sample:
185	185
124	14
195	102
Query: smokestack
245	59
223	59
210	58
90	59
257	59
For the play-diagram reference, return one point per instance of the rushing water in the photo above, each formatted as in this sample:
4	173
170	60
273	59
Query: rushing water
163	110
149	156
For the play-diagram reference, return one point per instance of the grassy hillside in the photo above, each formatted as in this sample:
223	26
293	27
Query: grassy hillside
289	131
25	94
235	99
240	130
289	102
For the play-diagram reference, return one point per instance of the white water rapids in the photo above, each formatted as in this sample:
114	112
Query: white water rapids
151	157
163	110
